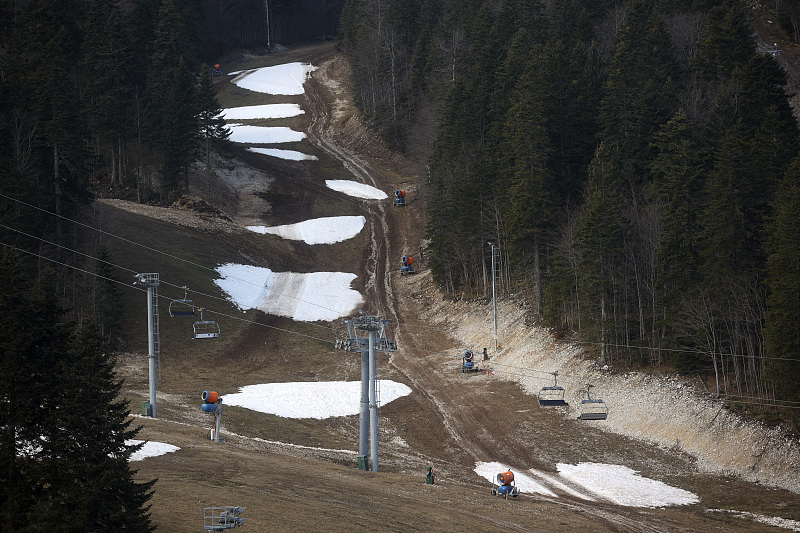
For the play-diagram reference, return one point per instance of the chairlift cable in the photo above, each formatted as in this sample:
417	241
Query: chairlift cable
164	297
162	281
153	250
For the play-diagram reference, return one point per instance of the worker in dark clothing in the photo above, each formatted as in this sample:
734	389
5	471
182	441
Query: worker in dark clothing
485	355
429	476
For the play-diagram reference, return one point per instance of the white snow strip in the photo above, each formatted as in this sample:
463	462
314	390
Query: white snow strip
776	521
280	153
325	230
359	190
524	483
244	134
280	79
624	486
150	449
317	400
302	297
254	112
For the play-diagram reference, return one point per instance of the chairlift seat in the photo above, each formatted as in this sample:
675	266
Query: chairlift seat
206	329
593	409
552	397
181	308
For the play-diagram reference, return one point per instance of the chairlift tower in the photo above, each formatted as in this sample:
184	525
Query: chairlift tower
221	518
367	334
151	282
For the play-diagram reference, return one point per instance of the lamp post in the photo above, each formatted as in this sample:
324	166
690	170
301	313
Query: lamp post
494	294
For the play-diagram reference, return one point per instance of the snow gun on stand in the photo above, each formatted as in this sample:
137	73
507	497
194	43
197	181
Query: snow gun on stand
505	486
468	363
399	198
407	267
212	404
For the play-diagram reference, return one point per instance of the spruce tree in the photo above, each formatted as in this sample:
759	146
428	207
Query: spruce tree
213	133
85	454
781	334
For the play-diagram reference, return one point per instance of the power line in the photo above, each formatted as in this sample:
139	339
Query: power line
153	250
164	297
678	350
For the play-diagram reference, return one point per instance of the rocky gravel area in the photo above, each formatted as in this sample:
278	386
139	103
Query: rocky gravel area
663	410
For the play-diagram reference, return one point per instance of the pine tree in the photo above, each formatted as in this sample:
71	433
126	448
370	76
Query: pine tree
108	62
108	309
86	447
679	171
213	133
599	237
781	334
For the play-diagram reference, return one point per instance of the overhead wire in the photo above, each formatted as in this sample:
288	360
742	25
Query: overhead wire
677	350
162	296
150	248
172	256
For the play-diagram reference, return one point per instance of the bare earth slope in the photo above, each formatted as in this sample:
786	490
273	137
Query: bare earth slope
301	474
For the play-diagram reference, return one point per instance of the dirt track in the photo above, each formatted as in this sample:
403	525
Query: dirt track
450	421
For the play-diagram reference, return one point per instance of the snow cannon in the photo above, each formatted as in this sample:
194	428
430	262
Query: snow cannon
400	198
468	362
210	396
210	399
212	404
408	263
505	485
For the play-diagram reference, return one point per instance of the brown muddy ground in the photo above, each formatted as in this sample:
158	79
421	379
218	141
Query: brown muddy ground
301	474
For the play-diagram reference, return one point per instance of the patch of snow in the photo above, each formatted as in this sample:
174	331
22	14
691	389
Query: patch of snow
359	190
624	486
303	297
244	134
523	482
281	79
325	230
317	400
253	112
291	155
776	521
150	449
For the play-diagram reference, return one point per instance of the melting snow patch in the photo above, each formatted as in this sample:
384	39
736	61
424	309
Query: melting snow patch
150	449
317	231
359	190
244	134
254	112
302	297
624	486
280	79
523	482
776	521
291	155
311	399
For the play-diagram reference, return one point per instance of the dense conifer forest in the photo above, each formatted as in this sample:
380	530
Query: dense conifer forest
96	94
635	162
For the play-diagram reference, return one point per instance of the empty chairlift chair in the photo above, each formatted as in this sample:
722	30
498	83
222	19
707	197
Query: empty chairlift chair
552	396
205	329
184	307
593	408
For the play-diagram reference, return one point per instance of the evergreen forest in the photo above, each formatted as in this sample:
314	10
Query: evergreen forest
111	95
634	166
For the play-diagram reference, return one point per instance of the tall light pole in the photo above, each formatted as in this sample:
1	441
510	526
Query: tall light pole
494	295
266	5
